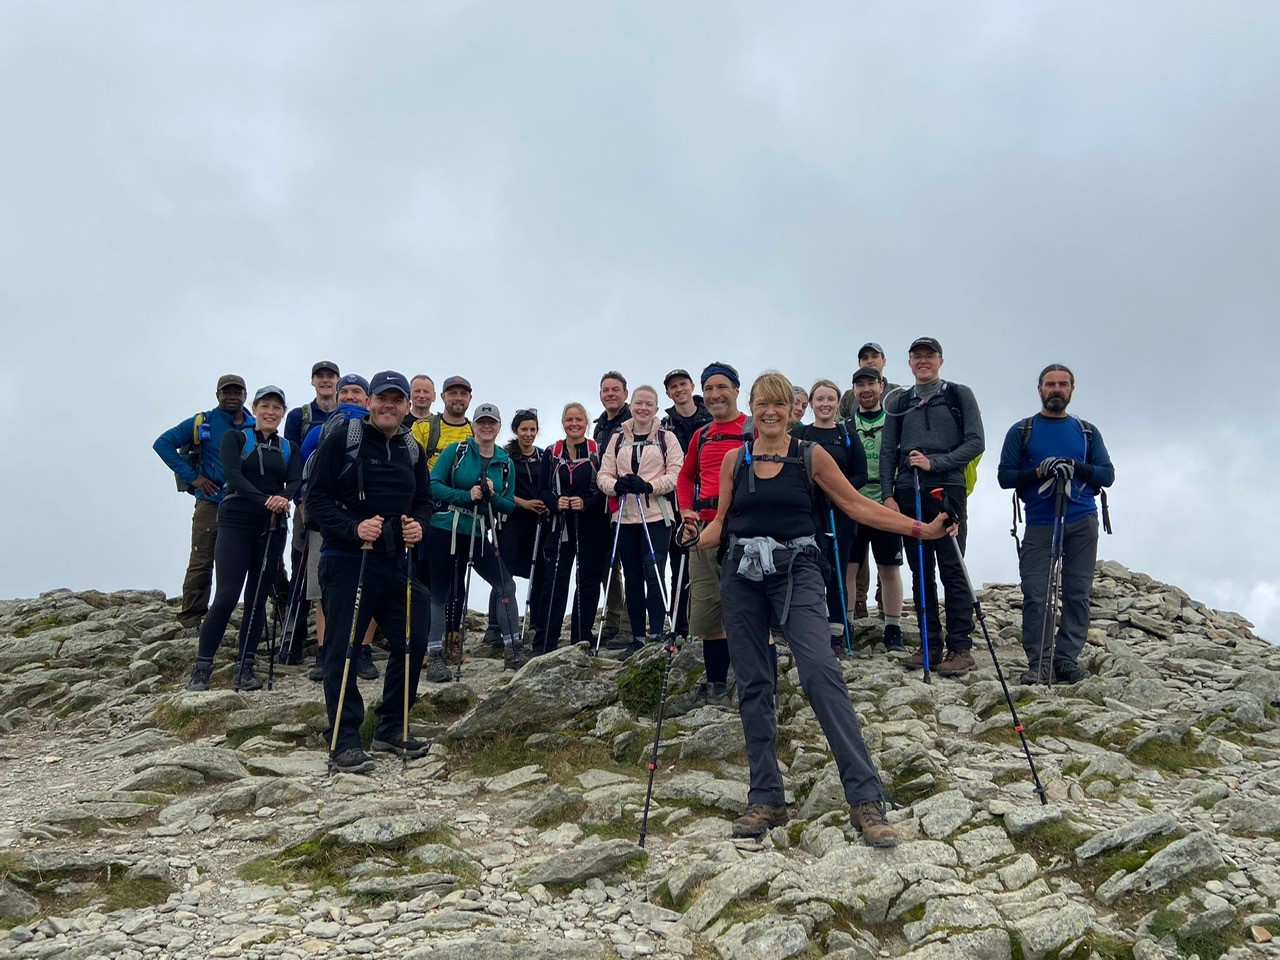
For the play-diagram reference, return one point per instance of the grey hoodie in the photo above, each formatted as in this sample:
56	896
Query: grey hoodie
920	418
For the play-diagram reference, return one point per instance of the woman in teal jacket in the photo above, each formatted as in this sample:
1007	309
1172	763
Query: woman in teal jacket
474	485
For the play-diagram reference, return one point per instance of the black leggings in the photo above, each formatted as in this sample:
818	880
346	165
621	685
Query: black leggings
587	541
237	561
448	582
642	578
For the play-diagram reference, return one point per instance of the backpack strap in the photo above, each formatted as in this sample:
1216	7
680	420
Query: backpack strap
306	418
433	435
195	429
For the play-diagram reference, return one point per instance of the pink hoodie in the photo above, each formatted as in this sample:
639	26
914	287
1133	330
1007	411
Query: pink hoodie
663	476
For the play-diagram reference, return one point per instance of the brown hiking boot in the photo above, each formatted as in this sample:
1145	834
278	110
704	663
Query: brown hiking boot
916	660
871	823
860	610
956	663
759	819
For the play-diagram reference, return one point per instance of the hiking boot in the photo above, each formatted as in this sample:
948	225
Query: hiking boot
719	695
1069	673
247	680
759	819
365	668
315	672
956	663
436	669
687	702
395	743
916	660
189	633
1034	675
837	648
513	657
201	671
860	611
351	760
870	821
893	639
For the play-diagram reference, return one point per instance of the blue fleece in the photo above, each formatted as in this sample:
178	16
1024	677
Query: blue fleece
168	443
1055	437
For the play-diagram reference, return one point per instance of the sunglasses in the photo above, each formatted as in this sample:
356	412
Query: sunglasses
531	410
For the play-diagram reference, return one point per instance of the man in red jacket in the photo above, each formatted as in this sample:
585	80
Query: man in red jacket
698	492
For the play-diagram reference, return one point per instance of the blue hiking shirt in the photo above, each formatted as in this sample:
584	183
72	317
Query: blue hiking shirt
1055	437
169	442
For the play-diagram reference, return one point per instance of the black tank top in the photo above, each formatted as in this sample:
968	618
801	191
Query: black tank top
779	508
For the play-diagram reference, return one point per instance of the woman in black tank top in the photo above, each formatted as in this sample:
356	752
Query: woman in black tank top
772	576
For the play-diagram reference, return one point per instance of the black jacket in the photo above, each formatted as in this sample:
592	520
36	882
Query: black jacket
384	480
606	428
684	427
250	481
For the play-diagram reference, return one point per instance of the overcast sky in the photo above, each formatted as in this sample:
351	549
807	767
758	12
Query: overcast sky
531	194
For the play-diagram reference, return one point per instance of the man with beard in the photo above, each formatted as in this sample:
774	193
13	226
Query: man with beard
452	426
1043	456
192	450
685	415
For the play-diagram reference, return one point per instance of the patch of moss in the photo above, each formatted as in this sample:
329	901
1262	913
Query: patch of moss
1173	757
640	687
236	737
1098	946
187	723
44	622
1049	840
134	894
507	751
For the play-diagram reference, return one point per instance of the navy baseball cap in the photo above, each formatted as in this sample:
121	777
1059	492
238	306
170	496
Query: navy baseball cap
867	373
349	379
388	380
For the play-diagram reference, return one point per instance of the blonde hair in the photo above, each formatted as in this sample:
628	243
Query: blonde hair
823	383
772	387
575	405
648	389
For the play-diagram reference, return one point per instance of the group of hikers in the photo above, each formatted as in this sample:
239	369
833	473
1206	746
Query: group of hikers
767	524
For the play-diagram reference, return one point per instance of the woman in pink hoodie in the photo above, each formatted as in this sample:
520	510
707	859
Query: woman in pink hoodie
638	469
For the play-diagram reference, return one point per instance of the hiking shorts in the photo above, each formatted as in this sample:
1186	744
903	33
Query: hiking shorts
886	547
706	618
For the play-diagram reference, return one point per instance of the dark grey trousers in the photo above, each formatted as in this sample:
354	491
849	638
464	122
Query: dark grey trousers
749	607
1080	551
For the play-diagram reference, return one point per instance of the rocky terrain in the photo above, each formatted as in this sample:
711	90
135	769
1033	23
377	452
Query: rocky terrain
137	820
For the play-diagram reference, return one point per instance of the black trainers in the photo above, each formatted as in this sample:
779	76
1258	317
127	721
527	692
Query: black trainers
316	670
351	760
759	819
395	743
436	669
247	680
513	657
201	671
893	639
1069	673
365	668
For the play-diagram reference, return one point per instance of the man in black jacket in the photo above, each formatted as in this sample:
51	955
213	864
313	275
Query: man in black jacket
370	491
613	397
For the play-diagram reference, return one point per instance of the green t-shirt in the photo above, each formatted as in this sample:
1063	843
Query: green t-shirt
869	428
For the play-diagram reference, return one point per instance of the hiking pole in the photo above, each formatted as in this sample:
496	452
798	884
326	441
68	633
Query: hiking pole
273	632
555	574
672	646
839	575
466	596
921	601
505	599
533	582
257	595
613	558
295	601
1040	791
408	619
1049	623
349	654
653	557
675	596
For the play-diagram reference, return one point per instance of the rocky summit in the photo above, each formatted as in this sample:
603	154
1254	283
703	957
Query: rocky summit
137	820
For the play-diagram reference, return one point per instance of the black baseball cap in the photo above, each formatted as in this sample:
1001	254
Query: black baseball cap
325	365
388	380
871	345
867	372
676	374
456	381
928	342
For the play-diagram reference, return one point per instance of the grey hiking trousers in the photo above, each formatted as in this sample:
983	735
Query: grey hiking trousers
749	608
1079	551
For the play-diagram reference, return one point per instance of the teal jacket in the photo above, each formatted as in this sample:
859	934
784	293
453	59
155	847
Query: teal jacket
457	494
